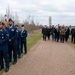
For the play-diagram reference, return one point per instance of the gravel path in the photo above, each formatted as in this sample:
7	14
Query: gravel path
46	58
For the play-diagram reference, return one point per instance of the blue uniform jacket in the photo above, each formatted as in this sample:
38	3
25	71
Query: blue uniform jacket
18	34
12	34
4	36
23	35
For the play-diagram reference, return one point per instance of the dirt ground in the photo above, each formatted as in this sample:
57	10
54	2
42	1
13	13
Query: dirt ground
46	58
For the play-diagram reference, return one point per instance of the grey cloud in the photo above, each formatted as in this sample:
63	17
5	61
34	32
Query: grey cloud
40	11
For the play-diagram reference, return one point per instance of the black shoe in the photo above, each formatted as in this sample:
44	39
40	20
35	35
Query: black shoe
25	53
19	57
14	63
21	52
6	70
10	61
1	68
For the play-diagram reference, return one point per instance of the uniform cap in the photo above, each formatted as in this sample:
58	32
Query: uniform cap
10	19
22	25
16	25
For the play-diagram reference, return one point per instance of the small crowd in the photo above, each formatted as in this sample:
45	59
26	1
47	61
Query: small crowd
59	33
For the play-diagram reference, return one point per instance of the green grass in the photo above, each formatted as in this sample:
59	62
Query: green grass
31	41
70	38
73	45
1	72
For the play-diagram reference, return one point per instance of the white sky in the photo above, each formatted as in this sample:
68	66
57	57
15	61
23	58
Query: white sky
62	11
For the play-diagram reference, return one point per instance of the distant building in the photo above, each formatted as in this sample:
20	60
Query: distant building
50	20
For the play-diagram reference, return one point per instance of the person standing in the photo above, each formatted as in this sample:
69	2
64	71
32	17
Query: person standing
67	34
57	34
23	39
4	36
48	33
12	30
18	42
44	32
62	34
53	33
73	35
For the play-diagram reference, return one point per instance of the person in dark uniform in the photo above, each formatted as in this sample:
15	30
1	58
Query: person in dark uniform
73	35
44	32
72	31
12	30
4	36
48	33
59	28
67	34
23	39
57	34
53	33
18	42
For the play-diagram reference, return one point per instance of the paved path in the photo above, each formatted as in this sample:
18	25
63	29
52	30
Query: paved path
46	58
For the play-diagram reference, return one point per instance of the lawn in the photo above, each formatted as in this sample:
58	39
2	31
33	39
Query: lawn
73	45
70	38
32	40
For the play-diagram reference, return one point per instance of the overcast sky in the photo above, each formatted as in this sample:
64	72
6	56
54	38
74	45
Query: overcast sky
62	11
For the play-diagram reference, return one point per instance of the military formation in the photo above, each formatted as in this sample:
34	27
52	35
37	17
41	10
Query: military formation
59	33
12	44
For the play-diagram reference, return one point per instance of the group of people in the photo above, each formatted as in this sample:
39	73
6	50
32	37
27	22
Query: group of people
59	33
12	40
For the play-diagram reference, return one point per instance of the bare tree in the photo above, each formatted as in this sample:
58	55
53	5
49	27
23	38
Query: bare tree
28	18
1	17
26	22
8	12
32	21
37	23
16	18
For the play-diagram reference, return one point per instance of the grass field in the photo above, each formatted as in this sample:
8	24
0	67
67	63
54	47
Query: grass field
31	41
70	38
73	45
